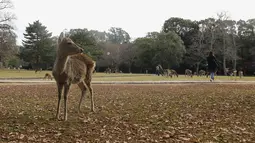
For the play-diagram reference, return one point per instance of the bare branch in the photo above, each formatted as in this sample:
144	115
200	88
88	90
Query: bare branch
5	4
8	17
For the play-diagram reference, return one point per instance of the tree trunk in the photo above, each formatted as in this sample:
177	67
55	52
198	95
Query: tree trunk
141	69
224	57
212	40
235	51
224	65
197	65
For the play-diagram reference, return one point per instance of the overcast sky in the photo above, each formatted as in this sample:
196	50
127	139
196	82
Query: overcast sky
137	17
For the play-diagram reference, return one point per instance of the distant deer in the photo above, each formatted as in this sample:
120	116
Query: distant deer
47	76
201	72
72	67
188	72
38	70
240	73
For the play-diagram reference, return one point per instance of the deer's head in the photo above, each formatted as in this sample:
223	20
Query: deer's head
67	47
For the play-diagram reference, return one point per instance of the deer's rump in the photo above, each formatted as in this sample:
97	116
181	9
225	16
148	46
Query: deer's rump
79	67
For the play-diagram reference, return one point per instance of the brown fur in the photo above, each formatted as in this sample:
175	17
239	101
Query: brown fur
188	72
72	67
48	76
108	70
240	73
171	73
202	73
38	70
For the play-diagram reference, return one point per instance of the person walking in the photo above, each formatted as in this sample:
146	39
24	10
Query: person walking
212	65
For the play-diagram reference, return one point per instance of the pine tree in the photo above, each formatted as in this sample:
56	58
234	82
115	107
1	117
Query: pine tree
38	44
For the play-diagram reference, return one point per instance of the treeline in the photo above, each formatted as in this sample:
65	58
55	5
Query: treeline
182	43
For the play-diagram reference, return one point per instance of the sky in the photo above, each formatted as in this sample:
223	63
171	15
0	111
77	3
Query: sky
137	17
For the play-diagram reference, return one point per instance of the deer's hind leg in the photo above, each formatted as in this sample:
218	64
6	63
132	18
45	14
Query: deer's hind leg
83	88
91	95
88	84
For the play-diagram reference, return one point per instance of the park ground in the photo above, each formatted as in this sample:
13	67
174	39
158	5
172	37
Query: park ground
131	113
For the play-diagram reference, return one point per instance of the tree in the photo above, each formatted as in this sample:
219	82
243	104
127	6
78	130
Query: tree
163	48
8	46
222	26
87	41
38	44
145	52
118	35
112	55
6	17
186	29
128	55
170	49
198	50
99	36
7	35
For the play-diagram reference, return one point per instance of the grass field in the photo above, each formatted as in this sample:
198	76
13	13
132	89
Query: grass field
131	113
115	77
31	74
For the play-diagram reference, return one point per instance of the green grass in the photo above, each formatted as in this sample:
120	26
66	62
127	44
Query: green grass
5	73
118	76
163	78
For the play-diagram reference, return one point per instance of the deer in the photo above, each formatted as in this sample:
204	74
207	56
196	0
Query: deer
38	70
188	72
47	76
72	66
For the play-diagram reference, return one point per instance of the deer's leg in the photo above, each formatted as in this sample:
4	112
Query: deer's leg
60	88
83	92
66	90
88	83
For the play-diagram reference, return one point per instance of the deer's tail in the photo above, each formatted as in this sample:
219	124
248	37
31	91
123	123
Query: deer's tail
90	69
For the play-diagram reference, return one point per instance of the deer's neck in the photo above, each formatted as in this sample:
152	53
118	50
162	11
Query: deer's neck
60	64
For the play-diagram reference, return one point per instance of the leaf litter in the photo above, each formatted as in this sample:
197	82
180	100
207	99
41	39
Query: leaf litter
130	113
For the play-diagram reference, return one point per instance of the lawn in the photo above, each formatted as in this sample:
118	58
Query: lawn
131	113
117	77
163	78
31	74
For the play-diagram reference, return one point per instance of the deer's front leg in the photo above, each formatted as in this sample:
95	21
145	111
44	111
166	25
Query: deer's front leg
66	90
60	88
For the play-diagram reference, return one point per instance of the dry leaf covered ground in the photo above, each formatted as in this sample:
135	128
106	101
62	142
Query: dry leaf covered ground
131	113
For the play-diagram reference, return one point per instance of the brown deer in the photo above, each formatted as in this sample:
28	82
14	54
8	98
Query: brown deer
188	72
38	70
72	67
47	76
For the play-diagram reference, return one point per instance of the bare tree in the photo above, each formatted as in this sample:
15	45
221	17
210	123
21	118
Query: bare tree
7	36
6	17
222	17
210	25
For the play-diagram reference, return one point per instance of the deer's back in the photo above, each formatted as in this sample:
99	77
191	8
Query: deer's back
76	69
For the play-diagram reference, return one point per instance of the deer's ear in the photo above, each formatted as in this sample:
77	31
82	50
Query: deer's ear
60	38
